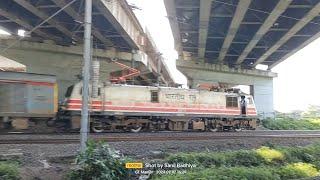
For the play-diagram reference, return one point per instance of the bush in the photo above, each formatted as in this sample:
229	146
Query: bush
298	170
203	159
99	162
270	163
292	124
237	158
224	173
246	158
8	171
211	160
183	158
308	154
291	171
270	154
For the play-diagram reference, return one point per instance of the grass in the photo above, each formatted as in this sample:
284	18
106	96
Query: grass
291	171
223	174
292	124
9	171
262	163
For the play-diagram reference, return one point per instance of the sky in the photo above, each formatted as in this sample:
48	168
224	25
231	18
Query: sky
296	87
153	17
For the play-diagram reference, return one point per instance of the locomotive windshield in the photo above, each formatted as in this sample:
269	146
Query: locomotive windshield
69	91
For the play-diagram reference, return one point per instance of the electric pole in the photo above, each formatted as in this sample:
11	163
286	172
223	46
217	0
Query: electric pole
85	74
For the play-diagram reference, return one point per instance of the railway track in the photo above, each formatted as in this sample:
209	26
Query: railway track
176	137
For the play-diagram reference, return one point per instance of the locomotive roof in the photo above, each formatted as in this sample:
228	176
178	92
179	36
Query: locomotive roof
164	87
173	88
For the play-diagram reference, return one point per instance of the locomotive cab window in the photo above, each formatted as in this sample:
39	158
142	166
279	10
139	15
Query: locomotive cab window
99	91
154	96
69	91
232	101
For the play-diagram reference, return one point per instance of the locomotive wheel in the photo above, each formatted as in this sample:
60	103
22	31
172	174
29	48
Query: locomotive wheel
136	128
97	127
50	122
213	127
237	127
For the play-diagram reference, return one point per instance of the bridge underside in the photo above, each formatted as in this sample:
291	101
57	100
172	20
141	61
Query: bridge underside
57	44
66	28
224	41
243	33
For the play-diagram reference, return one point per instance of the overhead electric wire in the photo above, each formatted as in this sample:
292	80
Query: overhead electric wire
36	27
78	12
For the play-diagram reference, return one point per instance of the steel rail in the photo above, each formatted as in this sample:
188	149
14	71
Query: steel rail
155	138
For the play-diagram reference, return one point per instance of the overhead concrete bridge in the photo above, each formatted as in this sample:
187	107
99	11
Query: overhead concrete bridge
223	41
56	47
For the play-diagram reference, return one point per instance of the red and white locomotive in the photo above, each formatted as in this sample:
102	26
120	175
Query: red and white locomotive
131	107
27	97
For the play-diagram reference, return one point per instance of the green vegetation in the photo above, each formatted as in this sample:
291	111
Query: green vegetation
291	171
224	174
269	155
9	171
99	162
263	163
298	170
292	124
298	120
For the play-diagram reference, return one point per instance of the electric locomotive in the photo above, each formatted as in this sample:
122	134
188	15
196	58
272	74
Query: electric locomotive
131	107
120	107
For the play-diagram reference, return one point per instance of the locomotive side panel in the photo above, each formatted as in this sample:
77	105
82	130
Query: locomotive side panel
130	99
121	95
199	102
214	99
177	97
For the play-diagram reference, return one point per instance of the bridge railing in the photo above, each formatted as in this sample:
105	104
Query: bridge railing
120	15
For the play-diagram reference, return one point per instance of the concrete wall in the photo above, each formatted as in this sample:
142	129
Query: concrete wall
262	84
65	66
